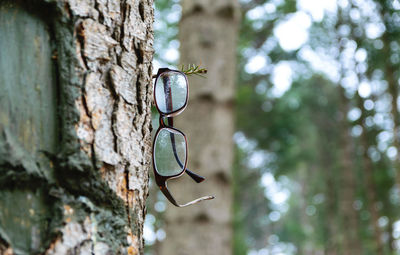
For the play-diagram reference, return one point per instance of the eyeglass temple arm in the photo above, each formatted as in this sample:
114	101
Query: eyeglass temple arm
165	191
168	100
197	178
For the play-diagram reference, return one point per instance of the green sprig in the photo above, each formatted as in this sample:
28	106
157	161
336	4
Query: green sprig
193	69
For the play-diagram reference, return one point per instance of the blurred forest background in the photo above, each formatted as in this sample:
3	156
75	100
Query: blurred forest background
316	141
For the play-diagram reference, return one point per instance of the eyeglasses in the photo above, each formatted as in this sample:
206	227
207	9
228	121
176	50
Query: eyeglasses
170	151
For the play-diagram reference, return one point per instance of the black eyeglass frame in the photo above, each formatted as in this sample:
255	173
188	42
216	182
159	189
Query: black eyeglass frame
161	180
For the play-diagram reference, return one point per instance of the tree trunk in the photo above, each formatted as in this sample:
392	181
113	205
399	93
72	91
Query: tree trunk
391	77
327	162
302	176
208	34
369	183
332	243
391	241
347	193
351	241
75	143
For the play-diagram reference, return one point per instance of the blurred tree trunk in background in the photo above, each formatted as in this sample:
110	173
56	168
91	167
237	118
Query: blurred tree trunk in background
331	224
304	181
367	166
75	142
390	36
328	126
369	181
348	184
208	35
391	70
351	239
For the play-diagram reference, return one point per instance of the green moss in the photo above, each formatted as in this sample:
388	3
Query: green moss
27	220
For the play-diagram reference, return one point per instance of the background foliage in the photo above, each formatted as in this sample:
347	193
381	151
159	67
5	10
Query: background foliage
317	136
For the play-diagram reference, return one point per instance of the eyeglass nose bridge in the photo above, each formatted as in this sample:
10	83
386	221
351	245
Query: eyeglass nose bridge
161	121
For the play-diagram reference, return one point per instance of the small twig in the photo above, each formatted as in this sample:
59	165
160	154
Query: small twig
192	69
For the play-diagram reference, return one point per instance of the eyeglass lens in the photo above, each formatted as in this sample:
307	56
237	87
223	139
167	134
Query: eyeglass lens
171	91
169	152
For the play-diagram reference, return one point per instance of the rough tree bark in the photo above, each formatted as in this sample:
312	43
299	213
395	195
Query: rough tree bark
75	141
208	35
